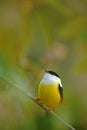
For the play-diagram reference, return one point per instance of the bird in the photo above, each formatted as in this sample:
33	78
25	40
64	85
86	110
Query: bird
50	90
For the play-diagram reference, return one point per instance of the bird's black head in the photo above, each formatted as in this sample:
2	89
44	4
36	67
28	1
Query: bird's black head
52	73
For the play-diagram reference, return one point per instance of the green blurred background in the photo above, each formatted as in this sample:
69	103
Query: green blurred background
37	35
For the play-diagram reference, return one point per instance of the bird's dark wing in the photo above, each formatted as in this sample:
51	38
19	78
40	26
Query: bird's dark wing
61	92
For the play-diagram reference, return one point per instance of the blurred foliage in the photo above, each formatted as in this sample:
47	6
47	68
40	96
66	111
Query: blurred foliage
35	35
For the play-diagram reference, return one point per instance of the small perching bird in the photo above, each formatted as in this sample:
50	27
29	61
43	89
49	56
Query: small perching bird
50	91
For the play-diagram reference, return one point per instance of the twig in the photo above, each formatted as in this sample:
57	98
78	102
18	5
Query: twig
52	112
62	120
38	103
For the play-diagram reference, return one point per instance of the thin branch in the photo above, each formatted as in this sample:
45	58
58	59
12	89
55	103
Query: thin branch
62	120
52	112
38	103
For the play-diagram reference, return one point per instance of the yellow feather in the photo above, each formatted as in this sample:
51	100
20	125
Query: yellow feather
49	95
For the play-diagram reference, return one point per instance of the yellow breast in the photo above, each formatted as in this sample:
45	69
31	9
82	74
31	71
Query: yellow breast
49	95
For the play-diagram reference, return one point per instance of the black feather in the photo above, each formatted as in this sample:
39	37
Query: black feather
52	73
61	92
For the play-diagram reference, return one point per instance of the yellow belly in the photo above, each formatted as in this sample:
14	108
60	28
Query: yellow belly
49	95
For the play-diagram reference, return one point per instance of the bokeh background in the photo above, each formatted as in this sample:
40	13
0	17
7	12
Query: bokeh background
37	35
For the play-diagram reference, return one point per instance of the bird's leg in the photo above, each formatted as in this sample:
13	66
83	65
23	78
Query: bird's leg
50	109
37	99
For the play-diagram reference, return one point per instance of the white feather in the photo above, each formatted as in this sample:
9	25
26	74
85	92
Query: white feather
49	79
